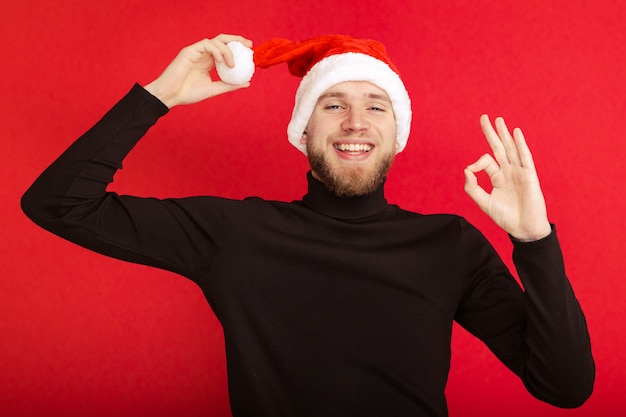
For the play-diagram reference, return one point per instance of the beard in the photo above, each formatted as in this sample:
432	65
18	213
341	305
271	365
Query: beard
345	181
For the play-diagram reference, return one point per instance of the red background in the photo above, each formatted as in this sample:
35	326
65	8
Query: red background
82	334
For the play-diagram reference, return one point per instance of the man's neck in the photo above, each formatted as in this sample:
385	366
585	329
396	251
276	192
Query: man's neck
321	199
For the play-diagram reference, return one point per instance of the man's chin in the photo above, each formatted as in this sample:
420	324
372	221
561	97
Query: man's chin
352	182
351	179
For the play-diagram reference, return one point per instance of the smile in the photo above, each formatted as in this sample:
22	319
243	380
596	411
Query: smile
353	147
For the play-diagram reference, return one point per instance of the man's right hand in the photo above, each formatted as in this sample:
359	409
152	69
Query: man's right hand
186	80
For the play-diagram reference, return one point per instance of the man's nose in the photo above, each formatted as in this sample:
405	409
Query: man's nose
355	120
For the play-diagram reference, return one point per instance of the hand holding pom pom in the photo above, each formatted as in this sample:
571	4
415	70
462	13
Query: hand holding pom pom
244	65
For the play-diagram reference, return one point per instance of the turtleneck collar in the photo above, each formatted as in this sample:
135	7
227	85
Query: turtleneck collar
322	200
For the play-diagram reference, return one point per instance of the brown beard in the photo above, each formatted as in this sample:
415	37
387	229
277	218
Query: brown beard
348	182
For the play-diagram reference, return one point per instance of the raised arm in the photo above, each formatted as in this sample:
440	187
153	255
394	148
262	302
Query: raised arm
550	350
70	197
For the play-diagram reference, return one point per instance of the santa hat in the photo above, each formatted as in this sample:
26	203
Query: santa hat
331	59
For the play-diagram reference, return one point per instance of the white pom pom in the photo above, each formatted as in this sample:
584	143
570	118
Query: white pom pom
244	65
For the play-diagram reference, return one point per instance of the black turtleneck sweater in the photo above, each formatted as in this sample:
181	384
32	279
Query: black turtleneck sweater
330	306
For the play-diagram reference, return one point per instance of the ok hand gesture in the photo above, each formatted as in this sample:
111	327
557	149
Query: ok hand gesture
516	202
186	80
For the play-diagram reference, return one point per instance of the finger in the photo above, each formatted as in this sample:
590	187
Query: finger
507	141
526	157
213	49
225	38
201	52
485	163
220	87
494	140
475	191
227	55
218	50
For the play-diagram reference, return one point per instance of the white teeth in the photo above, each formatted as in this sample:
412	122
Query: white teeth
354	147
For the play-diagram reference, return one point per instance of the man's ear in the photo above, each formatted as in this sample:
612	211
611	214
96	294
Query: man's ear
303	138
397	147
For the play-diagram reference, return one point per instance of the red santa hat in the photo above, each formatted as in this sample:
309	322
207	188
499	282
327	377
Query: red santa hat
331	59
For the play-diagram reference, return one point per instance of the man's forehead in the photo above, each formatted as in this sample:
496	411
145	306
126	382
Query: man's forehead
355	88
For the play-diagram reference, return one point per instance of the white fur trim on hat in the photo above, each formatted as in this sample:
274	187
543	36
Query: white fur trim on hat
349	66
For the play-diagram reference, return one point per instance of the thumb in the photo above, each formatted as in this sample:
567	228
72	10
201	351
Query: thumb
220	87
475	191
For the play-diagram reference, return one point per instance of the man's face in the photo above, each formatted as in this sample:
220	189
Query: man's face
351	138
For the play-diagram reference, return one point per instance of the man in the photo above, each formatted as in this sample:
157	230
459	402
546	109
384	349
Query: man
339	304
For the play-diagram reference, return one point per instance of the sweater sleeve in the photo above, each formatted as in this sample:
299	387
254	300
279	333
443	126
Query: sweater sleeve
70	199
559	367
539	333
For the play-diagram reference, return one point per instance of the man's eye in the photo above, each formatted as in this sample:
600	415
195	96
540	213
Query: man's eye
333	107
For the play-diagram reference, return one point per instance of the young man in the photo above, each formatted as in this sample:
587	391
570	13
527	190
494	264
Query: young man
339	304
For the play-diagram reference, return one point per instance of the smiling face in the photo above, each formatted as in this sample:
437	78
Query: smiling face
351	138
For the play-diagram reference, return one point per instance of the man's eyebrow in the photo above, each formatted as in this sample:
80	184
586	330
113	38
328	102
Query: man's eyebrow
331	95
376	96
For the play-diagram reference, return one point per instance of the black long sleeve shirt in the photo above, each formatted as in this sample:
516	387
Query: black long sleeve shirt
330	306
